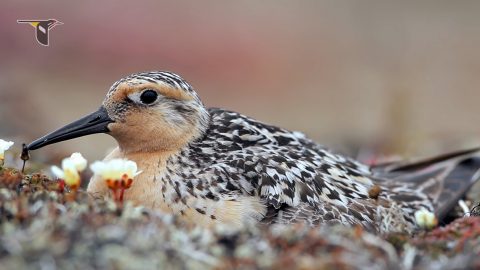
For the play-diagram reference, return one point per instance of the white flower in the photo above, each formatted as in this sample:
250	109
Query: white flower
71	168
118	175
425	219
4	146
79	161
68	172
115	169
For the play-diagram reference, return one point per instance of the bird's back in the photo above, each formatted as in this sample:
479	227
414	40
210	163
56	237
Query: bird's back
295	179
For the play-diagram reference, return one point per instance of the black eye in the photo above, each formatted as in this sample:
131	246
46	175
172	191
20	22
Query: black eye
148	97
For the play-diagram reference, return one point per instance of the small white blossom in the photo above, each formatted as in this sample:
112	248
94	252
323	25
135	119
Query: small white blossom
4	146
68	172
79	161
118	175
115	169
71	168
425	219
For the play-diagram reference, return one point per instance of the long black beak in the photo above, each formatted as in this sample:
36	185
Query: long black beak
96	122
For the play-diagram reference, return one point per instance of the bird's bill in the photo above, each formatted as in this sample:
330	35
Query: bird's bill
96	122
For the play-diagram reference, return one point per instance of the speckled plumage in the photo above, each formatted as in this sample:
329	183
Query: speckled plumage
295	178
215	165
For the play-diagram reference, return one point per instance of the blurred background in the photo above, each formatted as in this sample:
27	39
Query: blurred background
400	78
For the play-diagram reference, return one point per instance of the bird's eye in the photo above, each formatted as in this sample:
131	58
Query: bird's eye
148	97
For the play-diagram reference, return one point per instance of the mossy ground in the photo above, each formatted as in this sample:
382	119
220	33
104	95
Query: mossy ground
42	228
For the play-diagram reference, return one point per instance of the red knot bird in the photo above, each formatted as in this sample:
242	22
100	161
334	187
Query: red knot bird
210	165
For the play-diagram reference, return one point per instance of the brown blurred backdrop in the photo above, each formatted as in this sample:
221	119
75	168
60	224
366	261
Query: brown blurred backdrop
404	76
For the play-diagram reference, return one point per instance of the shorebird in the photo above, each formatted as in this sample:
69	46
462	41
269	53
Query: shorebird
212	165
42	29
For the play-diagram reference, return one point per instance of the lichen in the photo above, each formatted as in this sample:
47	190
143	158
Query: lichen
40	227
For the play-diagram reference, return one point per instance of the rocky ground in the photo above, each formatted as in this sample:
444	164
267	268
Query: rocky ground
41	228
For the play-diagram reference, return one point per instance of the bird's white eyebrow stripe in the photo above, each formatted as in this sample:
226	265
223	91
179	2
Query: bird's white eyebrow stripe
162	88
168	78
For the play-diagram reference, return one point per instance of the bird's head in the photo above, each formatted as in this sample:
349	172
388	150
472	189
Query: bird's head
144	112
53	22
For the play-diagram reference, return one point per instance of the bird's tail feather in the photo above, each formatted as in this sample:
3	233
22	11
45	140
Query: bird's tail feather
444	178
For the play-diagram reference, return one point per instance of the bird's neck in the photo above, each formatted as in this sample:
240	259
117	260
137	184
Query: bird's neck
156	143
159	138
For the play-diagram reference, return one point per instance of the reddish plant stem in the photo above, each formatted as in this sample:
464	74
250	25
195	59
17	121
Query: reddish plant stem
122	190
116	194
61	185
